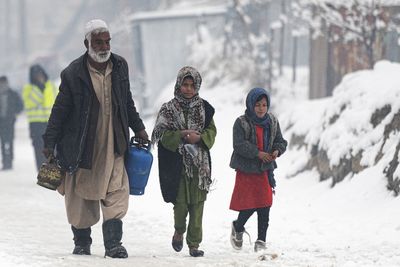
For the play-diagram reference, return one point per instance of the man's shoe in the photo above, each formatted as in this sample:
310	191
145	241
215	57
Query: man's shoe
112	235
81	250
195	252
118	251
259	245
177	241
82	240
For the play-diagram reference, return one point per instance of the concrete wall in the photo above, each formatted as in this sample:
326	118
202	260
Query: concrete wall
163	50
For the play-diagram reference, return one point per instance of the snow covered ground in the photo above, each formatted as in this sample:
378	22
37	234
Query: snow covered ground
356	223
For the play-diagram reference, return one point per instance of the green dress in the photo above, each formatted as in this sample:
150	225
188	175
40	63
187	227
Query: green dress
190	198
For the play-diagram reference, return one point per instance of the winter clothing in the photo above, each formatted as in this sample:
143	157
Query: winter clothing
104	162
263	220
252	190
107	183
259	245
38	96
72	126
168	155
236	237
177	241
181	113
82	240
195	252
194	234
244	156
89	130
39	101
185	169
10	106
254	178
83	213
112	235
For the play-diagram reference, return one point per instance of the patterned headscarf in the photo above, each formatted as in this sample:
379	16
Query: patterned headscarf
172	117
187	72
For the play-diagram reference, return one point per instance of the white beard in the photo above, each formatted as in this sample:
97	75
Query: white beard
99	57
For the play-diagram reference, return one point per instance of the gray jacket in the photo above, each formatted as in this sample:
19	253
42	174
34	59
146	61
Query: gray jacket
245	151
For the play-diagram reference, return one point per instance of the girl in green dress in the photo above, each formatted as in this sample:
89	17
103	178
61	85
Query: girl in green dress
185	132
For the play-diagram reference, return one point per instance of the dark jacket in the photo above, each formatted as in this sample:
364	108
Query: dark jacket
245	151
72	125
14	106
170	163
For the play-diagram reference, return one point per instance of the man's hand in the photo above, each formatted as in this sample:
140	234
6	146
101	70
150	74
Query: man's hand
48	152
143	136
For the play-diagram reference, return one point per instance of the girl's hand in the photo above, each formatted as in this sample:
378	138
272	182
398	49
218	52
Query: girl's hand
184	133
267	157
275	154
264	156
190	136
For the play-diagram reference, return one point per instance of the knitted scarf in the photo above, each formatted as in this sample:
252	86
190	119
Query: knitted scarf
180	114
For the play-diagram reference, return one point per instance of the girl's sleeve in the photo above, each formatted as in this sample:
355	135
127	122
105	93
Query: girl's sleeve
171	140
242	146
209	134
279	142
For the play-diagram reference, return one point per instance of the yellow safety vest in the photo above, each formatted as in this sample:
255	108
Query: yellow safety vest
38	103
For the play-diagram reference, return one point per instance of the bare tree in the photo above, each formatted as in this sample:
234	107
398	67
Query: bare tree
353	22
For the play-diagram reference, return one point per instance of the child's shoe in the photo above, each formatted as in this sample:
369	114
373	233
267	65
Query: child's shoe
259	245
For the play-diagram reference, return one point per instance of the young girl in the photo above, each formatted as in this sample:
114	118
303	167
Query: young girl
185	132
257	142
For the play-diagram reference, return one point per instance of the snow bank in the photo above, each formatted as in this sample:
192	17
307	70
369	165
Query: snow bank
358	123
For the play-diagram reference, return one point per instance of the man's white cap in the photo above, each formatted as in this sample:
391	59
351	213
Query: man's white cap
93	25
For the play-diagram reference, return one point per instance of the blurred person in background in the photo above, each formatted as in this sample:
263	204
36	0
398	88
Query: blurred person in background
185	132
10	106
88	133
38	96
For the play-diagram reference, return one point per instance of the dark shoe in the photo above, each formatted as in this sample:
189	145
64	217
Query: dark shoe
177	241
259	245
82	241
195	252
112	235
117	252
81	250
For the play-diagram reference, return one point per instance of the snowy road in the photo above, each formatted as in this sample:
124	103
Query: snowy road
311	224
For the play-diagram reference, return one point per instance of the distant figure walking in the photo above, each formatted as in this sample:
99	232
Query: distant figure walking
39	96
10	106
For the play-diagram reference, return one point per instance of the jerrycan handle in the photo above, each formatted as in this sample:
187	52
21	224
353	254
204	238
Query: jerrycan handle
139	142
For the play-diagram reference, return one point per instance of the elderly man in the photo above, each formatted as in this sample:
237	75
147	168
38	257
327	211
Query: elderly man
88	131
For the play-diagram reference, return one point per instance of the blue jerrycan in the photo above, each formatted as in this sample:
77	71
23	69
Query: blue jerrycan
138	165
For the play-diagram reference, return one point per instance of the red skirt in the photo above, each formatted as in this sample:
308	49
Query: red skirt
251	191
